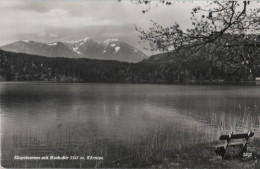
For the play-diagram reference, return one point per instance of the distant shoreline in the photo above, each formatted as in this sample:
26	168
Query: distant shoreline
250	83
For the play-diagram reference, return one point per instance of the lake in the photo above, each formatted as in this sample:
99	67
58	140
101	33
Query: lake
117	121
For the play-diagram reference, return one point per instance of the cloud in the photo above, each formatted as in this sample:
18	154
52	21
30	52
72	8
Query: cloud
52	35
61	20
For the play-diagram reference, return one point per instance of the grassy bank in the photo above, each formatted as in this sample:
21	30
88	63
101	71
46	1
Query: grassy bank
152	155
202	156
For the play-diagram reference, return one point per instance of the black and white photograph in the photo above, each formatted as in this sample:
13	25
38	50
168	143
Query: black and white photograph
130	84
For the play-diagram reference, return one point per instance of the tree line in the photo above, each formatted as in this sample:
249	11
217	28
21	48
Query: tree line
161	68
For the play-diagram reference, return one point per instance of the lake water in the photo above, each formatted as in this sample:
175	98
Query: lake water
117	121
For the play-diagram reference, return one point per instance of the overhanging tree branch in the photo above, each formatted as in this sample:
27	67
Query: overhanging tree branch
208	25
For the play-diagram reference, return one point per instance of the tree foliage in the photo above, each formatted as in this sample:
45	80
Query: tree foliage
233	25
208	24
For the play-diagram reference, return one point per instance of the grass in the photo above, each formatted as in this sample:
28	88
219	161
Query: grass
202	156
187	146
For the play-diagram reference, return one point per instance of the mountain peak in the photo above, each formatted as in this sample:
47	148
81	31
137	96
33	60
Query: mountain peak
52	44
81	41
110	49
30	42
26	41
109	41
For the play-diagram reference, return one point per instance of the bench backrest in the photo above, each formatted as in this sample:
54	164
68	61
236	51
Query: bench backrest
237	136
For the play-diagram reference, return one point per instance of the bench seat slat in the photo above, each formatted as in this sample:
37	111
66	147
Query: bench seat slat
236	144
231	144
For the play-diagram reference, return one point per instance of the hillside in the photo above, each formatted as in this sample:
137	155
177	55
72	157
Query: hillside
237	60
21	67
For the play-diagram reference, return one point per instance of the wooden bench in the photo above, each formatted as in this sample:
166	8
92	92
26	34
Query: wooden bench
242	145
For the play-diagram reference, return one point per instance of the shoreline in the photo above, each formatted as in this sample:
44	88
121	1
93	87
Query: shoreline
244	83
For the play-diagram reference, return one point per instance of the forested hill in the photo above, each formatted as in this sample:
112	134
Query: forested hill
22	67
237	60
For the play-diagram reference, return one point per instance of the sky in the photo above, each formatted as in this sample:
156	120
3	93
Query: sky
68	20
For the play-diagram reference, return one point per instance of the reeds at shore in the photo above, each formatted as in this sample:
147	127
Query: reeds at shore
147	147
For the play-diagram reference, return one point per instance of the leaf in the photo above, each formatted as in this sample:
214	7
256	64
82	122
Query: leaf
210	14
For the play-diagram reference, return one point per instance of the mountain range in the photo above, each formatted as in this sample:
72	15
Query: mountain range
111	49
210	63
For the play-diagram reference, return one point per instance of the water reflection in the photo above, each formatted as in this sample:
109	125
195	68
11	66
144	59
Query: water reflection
118	120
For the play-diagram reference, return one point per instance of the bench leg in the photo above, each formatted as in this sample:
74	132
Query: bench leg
244	150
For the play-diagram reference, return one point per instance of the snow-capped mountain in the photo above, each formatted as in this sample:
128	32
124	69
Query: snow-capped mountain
111	49
57	49
86	47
